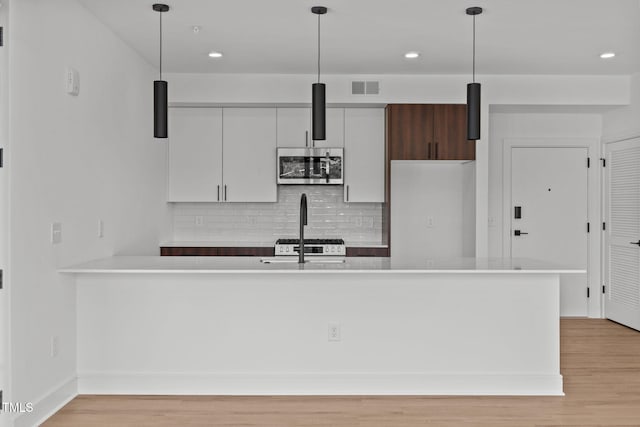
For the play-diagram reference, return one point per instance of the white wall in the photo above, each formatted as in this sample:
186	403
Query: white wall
623	122
73	160
4	220
295	88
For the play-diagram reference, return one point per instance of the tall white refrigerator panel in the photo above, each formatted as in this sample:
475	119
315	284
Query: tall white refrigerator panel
432	210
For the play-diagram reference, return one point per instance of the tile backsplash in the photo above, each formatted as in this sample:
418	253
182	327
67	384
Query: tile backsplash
263	223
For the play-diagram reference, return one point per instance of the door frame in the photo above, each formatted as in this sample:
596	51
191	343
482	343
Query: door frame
594	209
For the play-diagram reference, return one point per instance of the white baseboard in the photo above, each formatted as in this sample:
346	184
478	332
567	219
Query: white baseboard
318	384
49	403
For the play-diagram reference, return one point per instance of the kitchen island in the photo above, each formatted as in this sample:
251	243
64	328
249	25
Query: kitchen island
235	325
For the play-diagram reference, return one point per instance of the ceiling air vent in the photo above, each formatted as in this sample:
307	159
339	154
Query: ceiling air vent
365	88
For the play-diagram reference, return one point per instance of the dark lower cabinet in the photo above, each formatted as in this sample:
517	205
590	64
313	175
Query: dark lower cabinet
217	251
367	252
258	251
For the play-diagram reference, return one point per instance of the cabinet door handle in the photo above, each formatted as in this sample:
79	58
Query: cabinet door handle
218	192
306	138
347	193
225	192
635	243
429	151
436	147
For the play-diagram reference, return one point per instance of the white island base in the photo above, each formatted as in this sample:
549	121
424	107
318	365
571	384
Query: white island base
147	326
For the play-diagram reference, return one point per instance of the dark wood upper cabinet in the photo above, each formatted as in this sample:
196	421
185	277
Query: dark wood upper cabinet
428	132
410	129
450	133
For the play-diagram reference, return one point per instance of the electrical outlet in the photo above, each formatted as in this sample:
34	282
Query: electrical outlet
334	331
56	233
199	220
368	222
55	346
430	221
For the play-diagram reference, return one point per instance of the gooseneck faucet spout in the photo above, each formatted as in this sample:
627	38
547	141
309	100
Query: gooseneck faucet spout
303	222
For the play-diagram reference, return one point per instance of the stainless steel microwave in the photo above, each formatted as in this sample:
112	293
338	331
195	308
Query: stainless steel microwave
310	165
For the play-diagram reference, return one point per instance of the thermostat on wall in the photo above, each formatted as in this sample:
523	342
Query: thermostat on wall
72	81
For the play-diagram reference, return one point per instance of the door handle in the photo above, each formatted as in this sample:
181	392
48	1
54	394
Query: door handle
429	156
218	192
225	193
436	150
306	138
635	243
347	193
518	233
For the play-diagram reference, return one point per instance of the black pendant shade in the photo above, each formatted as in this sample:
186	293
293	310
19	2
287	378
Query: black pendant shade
318	99
160	109
160	97
473	111
318	112
473	89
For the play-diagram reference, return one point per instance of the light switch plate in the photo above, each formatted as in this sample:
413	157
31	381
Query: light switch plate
72	81
56	233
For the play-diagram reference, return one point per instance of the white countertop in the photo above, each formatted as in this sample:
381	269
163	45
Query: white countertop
249	244
248	265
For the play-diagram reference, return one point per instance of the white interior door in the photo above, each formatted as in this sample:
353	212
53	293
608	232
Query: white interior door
549	185
622	238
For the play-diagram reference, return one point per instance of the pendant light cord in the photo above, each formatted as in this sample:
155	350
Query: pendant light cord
318	48
160	45
474	48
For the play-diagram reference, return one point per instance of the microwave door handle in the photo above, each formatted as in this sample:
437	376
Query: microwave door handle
326	166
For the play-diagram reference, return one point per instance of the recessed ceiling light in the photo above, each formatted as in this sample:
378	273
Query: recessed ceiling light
411	55
607	55
215	54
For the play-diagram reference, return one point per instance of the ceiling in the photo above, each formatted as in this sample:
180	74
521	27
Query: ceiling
371	36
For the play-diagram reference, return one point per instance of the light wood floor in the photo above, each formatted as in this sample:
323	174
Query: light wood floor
600	363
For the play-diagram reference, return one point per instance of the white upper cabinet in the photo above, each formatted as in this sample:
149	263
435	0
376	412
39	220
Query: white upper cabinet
195	154
364	155
294	128
335	129
249	158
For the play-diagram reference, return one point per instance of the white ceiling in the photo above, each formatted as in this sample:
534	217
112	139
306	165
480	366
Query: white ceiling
371	36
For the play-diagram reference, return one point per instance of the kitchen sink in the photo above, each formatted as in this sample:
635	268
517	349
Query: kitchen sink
308	260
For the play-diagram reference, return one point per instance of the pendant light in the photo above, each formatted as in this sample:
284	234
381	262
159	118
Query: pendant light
318	104
160	99
473	89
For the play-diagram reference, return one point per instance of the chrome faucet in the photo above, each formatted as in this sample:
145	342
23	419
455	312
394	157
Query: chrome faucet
303	222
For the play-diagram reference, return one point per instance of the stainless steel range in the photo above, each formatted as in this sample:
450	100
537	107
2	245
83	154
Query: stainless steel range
333	247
